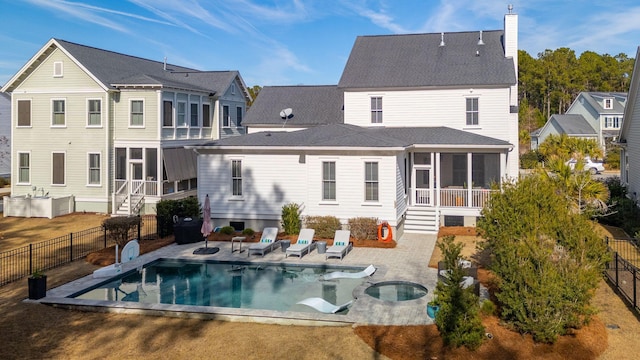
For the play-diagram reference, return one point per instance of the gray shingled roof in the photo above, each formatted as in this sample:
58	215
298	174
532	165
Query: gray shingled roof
311	105
573	124
346	135
113	68
417	60
596	100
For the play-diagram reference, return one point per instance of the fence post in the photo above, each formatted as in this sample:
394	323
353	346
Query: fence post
616	259
30	258
139	226
635	287
70	247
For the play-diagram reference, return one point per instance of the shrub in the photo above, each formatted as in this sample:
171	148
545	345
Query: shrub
458	319
248	232
364	228
227	230
291	222
548	260
612	160
530	159
166	209
325	226
488	308
118	228
4	182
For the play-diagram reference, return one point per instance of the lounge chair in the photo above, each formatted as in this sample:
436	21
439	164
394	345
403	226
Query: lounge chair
305	240
340	245
324	306
267	242
351	275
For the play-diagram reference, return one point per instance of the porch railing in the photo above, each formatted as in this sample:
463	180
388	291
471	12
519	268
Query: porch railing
449	197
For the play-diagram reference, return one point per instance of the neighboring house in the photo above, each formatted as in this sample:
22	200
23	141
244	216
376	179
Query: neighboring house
5	135
596	115
629	137
110	129
416	132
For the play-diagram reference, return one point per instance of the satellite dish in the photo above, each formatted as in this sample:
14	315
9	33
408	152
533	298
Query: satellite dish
286	113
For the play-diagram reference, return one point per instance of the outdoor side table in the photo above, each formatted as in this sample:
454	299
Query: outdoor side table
239	239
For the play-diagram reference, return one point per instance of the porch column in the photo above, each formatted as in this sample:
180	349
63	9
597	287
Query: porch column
503	166
437	189
469	179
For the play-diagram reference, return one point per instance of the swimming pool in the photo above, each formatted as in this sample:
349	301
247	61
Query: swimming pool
240	285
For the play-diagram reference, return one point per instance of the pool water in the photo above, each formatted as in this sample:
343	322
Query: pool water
396	291
223	284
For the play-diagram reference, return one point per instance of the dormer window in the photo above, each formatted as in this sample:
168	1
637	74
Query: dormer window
608	103
57	69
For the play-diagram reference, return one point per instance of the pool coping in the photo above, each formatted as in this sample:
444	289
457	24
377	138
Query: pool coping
364	310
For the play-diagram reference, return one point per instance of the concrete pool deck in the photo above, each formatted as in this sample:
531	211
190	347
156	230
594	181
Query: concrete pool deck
408	261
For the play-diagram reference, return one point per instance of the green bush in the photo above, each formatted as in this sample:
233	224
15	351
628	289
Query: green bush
530	159
118	228
248	232
488	308
547	259
612	159
166	209
458	319
4	182
325	226
227	230
291	222
364	228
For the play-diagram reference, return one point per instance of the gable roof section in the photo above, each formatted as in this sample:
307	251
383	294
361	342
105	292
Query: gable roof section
572	124
311	105
418	60
595	99
114	70
334	136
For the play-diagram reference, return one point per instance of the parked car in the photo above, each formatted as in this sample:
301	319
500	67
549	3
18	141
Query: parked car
594	167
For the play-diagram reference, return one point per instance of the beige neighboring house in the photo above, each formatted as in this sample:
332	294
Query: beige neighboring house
108	130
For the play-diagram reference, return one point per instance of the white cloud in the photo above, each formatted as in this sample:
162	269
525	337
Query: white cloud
80	11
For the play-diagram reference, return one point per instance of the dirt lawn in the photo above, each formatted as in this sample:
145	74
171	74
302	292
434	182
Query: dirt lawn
39	331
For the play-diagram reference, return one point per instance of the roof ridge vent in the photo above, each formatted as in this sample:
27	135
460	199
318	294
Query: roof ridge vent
480	42
441	39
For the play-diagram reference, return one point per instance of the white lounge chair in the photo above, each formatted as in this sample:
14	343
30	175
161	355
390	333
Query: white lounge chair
351	275
267	242
324	306
305	240
340	245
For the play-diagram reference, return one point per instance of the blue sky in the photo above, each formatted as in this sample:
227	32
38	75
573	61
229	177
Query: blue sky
276	42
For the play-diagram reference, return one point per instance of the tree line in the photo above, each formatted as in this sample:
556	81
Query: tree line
549	83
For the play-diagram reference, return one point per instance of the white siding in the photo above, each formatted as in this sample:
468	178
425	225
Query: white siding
270	181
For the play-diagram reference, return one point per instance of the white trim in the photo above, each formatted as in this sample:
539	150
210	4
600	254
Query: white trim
64	102
143	113
88	110
89	184
18	168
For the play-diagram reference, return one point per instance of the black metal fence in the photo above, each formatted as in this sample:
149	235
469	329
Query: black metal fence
18	263
623	270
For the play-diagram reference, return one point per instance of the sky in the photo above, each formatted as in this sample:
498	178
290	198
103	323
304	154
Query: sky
292	42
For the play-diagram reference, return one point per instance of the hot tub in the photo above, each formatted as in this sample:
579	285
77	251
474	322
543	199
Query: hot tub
396	291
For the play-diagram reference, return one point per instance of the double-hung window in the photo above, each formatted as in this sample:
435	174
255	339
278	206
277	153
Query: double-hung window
608	103
137	113
58	168
194	115
238	116
24	167
94	169
167	113
24	112
236	177
376	110
182	113
329	180
226	121
94	112
371	181
472	111
58	113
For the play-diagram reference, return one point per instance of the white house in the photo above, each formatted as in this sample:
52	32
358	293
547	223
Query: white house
592	115
415	133
109	129
5	135
629	136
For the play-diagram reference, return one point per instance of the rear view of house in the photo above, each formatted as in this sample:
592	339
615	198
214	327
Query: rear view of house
415	133
109	130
